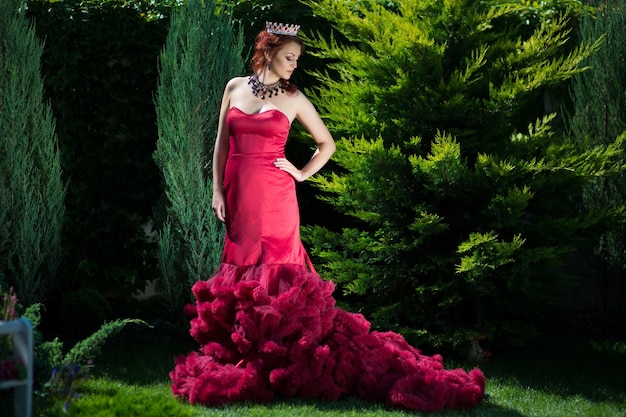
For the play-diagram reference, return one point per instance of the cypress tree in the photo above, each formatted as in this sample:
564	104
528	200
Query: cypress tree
599	95
31	188
461	200
201	54
598	116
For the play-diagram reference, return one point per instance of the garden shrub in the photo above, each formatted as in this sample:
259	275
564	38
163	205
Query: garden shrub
67	371
31	189
201	54
463	202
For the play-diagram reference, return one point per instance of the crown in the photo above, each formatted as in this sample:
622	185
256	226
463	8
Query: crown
282	28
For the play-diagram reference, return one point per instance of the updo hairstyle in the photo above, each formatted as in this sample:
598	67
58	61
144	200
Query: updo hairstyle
270	44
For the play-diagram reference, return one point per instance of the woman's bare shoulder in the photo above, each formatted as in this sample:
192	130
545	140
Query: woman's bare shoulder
301	102
236	82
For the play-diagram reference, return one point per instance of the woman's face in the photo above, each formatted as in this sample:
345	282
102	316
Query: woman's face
285	61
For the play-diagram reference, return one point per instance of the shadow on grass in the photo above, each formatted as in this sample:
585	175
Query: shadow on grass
144	356
140	355
557	365
566	366
347	406
486	408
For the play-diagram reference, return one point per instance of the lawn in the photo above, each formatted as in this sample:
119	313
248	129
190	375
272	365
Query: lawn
559	376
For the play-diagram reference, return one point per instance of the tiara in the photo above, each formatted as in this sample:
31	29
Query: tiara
282	28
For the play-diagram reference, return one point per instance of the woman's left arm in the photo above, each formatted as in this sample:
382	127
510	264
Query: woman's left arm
312	122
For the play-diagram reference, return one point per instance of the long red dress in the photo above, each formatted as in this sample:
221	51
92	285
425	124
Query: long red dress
267	323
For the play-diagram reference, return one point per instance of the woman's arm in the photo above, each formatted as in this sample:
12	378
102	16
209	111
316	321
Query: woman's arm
220	155
310	119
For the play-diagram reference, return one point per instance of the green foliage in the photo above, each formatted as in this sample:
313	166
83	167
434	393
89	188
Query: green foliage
598	113
70	373
51	353
251	15
463	202
87	349
100	72
201	54
599	99
455	58
31	189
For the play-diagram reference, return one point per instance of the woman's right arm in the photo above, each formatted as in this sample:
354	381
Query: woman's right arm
220	155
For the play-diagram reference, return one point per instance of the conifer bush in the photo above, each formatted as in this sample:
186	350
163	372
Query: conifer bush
597	116
460	198
202	52
31	189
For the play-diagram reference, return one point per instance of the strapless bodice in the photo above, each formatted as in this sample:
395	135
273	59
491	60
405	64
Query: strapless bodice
258	133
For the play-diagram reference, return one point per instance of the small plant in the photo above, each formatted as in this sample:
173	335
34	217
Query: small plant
66	380
60	375
10	368
70	371
9	306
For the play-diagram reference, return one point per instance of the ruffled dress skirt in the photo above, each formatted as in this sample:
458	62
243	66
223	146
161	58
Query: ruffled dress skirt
287	338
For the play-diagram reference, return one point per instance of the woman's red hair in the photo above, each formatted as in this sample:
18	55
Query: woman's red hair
267	44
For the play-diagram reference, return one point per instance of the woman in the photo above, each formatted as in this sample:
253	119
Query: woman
266	322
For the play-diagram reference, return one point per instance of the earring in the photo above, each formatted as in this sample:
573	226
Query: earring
269	66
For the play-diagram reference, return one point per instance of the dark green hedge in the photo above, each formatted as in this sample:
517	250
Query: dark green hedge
100	69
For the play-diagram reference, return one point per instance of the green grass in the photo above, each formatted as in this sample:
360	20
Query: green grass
554	378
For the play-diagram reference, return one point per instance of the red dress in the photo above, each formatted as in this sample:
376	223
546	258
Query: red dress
267	323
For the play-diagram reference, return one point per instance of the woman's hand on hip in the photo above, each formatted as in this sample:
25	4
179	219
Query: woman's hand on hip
284	165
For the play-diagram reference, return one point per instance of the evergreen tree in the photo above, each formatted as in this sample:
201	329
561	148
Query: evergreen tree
598	116
201	54
462	201
31	189
599	95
